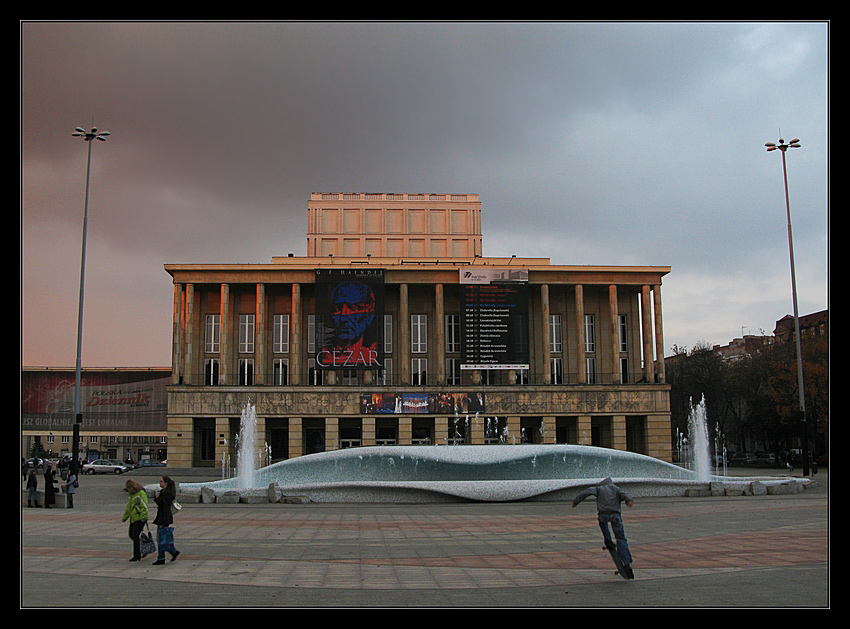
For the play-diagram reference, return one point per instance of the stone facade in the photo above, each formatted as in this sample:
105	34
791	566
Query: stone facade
585	329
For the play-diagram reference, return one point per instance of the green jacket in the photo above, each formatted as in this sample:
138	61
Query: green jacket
137	507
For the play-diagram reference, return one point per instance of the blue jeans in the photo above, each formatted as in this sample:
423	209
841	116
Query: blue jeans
165	541
616	522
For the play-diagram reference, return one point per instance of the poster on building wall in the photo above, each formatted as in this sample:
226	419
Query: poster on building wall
494	318
349	316
448	403
109	400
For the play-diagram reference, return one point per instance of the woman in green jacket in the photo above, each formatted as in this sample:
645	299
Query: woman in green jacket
137	512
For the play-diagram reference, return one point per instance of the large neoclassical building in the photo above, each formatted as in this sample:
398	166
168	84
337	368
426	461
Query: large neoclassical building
395	329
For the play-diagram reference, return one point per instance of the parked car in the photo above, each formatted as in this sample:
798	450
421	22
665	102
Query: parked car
151	463
105	466
743	459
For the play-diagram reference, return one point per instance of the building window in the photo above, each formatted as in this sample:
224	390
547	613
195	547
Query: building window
589	333
280	342
556	365
522	376
246	371
624	370
452	334
623	333
212	335
348	377
384	377
211	371
280	372
590	369
555	344
419	333
92	439
419	371
315	376
311	334
388	334
246	334
452	371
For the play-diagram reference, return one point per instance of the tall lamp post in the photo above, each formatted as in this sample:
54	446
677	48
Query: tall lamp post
804	431
88	136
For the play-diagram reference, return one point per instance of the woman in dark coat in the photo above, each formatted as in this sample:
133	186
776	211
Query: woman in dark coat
164	518
49	488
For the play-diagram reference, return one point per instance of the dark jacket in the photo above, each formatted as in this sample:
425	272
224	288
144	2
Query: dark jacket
163	501
608	496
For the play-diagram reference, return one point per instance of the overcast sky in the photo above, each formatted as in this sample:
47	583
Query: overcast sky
588	143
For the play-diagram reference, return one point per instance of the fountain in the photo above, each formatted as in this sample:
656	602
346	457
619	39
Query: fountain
698	440
245	457
488	473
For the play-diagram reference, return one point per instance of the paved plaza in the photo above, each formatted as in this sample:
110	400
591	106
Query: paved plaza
744	551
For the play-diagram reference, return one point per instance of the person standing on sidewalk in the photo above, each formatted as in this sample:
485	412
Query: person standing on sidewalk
32	489
164	519
608	499
70	487
137	512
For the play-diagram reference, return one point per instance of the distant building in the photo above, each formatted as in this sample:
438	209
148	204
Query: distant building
811	325
394	329
124	412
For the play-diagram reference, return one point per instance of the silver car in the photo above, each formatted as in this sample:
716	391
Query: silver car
105	466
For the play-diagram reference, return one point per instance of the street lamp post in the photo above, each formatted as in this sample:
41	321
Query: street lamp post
88	136
804	432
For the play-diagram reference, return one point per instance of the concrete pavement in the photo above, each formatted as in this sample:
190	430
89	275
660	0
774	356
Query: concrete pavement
744	551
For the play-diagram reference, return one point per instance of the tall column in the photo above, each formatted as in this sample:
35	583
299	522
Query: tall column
441	336
544	307
659	336
295	368
177	336
581	376
189	366
613	309
224	332
404	334
646	316
260	336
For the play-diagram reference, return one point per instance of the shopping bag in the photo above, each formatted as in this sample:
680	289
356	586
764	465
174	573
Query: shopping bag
146	544
166	538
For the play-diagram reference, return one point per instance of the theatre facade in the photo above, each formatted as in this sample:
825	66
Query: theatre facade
395	329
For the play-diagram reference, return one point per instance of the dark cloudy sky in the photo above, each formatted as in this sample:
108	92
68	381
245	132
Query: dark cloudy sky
588	143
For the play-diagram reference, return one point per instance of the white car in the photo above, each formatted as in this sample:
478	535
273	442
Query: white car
105	466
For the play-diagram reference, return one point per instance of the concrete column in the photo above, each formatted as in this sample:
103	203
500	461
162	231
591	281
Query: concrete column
618	432
224	334
549	425
190	368
331	433
177	336
441	334
659	336
367	430
297	366
646	316
613	309
296	438
404	335
405	431
584	430
260	336
581	376
544	307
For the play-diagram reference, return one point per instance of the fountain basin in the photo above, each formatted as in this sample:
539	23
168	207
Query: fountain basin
491	473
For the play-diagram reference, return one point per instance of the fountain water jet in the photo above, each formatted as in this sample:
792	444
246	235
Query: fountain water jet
245	463
699	442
